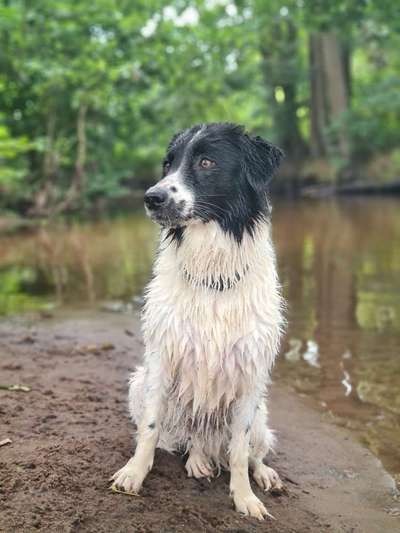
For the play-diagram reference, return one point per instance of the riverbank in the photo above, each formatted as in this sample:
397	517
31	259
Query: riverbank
70	432
18	221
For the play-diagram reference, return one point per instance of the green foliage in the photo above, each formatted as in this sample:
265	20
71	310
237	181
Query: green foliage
91	91
12	162
14	296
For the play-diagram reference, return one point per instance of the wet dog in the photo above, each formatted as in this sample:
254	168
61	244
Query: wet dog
212	319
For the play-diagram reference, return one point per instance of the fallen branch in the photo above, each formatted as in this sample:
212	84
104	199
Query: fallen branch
15	388
114	488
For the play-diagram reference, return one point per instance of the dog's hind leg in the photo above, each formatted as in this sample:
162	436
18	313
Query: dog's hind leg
137	384
245	500
198	465
262	440
131	476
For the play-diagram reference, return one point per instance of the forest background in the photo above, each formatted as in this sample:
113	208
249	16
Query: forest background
91	91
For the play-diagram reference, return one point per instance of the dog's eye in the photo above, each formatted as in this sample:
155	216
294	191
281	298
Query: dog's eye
207	163
166	166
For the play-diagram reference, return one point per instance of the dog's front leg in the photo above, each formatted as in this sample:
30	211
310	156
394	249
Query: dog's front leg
245	500
131	476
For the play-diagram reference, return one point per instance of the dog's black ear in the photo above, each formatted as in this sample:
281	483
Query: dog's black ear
270	154
175	138
261	161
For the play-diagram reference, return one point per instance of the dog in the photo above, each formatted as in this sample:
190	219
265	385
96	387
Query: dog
213	314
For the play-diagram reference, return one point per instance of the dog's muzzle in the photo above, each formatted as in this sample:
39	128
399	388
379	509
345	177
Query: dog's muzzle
168	204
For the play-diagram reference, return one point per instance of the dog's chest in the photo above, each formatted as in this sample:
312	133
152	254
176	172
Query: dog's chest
213	344
208	346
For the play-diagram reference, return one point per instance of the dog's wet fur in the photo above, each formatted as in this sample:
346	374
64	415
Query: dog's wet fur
212	319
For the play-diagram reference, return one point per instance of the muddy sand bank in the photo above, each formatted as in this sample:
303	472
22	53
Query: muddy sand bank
70	432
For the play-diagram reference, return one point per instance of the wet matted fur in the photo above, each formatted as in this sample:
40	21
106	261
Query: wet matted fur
212	319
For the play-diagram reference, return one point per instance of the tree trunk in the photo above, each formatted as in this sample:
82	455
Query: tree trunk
330	90
335	75
45	195
318	112
81	152
78	178
286	114
280	71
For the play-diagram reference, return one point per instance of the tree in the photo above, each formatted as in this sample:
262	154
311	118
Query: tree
329	80
283	70
91	91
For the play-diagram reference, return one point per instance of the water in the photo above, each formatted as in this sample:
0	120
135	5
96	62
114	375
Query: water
339	264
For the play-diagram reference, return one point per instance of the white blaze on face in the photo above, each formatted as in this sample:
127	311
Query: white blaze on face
178	191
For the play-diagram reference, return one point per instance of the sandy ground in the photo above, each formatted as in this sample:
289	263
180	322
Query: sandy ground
71	431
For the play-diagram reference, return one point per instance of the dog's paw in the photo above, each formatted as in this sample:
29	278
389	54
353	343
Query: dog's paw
250	505
197	466
267	479
128	479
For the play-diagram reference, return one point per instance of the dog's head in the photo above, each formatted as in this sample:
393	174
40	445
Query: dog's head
214	172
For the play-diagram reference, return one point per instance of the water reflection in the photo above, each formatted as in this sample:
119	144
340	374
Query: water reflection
340	268
76	263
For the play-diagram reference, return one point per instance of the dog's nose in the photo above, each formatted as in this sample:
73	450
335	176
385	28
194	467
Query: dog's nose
155	197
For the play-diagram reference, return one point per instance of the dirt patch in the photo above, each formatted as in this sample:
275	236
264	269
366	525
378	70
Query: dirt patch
71	431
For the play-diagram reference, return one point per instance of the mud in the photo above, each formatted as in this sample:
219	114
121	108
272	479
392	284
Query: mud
71	431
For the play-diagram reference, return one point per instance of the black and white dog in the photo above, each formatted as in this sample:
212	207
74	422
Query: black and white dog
212	319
